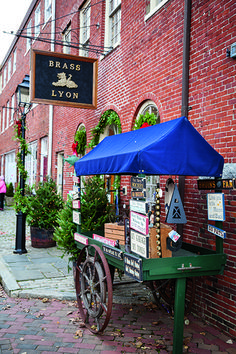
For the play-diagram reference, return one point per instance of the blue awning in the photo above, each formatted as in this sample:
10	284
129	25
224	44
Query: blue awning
171	148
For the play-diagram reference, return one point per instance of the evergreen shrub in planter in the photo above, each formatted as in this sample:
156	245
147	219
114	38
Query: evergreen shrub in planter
42	210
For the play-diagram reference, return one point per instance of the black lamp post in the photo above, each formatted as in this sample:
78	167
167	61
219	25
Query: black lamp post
23	101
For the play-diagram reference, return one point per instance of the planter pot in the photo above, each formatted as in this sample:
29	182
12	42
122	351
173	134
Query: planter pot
42	238
9	201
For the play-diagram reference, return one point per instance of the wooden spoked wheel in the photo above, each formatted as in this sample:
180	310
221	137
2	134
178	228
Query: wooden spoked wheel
164	294
93	288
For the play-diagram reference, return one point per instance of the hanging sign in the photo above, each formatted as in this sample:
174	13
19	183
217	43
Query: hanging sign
139	222
138	183
139	244
138	206
63	80
216	206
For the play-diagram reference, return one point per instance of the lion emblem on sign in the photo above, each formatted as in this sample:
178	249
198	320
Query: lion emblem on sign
65	82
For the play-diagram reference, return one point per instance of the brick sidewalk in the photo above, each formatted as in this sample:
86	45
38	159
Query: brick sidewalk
48	325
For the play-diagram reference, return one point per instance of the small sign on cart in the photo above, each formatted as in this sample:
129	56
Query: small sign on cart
216	206
77	217
80	238
133	267
113	252
76	204
216	231
139	244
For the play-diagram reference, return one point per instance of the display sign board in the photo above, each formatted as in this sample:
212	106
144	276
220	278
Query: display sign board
105	240
63	80
76	189
77	217
139	206
139	244
216	206
80	238
138	183
138	194
216	231
76	179
76	204
133	267
114	252
216	184
139	222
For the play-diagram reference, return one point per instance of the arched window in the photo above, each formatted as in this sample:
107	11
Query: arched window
148	112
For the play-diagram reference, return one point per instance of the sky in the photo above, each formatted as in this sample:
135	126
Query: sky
12	13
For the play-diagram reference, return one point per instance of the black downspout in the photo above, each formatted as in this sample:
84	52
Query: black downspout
185	83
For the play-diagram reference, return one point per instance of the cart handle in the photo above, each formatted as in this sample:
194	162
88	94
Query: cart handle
188	268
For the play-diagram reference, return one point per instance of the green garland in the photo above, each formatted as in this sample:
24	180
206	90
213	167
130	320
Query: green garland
22	146
149	118
80	138
20	202
108	118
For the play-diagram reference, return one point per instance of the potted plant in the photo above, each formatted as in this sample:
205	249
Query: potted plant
9	197
42	210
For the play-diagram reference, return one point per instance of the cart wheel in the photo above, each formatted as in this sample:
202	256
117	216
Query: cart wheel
93	281
164	293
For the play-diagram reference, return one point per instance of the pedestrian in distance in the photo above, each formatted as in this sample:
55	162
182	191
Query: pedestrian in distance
3	190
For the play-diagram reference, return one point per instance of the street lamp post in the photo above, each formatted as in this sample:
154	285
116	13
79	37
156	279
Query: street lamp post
24	106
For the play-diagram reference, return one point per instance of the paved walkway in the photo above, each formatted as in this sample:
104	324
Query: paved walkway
38	312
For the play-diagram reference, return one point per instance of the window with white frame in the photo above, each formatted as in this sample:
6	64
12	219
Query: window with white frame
85	28
5	76
3	119
113	23
7	115
14	61
31	163
48	10
12	109
9	69
153	5
67	39
37	21
0	121
0	83
10	167
29	33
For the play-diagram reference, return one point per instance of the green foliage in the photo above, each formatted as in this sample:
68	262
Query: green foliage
95	208
20	202
80	138
149	118
108	118
10	191
23	146
64	232
43	207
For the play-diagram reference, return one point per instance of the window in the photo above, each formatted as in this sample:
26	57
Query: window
28	40
37	21
5	76
85	28
48	10
0	84
113	23
9	69
44	159
12	109
14	61
67	39
10	168
31	164
7	118
3	119
152	6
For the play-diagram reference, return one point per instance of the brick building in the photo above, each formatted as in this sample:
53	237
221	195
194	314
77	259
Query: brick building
143	65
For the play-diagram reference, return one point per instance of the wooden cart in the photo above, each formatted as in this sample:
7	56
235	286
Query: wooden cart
98	258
